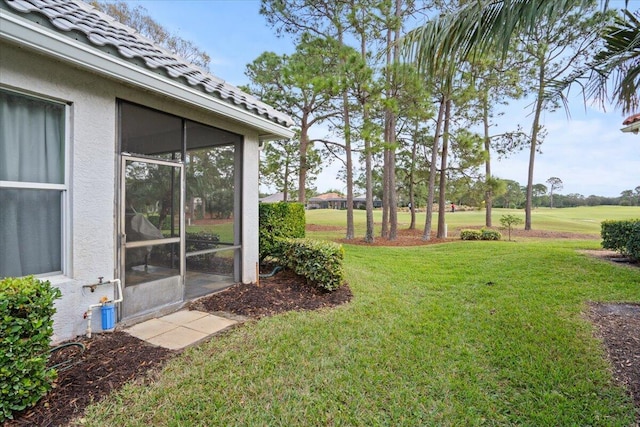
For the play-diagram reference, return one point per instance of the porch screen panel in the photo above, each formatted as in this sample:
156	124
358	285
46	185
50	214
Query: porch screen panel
211	168
150	132
32	183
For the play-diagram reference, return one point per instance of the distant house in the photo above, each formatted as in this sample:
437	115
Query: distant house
338	201
327	201
274	198
360	202
105	136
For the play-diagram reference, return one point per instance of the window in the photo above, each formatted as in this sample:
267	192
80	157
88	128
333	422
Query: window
32	185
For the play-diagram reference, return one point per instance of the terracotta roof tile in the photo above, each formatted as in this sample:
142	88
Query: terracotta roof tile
101	30
631	119
327	197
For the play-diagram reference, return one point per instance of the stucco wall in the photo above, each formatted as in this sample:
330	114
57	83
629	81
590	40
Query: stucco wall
92	167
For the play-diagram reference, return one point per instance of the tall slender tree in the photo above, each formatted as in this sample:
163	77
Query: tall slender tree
555	49
555	184
367	95
298	84
327	20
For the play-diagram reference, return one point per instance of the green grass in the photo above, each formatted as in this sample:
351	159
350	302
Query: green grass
576	220
463	333
224	230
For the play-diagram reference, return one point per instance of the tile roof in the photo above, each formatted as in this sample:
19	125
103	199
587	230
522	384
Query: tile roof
328	197
631	119
71	17
277	197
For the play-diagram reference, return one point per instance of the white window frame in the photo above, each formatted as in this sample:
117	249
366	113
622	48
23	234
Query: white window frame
65	205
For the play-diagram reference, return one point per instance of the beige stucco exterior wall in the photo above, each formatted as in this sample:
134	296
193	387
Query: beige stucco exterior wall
91	233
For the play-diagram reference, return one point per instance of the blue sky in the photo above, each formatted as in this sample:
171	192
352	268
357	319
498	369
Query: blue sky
587	151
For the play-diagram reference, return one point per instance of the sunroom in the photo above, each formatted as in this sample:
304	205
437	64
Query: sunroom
119	160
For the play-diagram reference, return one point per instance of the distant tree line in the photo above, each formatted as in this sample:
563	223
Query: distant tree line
515	199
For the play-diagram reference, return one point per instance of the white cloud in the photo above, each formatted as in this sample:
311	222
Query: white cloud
589	154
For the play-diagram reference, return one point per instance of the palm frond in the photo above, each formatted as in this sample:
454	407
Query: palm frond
617	65
482	25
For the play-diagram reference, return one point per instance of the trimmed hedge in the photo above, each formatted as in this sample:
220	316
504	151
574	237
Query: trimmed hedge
26	326
279	220
319	262
482	234
622	237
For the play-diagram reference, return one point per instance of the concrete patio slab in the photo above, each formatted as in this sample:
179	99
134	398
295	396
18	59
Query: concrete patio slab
210	324
177	338
183	316
180	329
149	329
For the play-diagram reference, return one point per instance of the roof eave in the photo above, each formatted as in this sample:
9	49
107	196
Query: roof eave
45	41
632	128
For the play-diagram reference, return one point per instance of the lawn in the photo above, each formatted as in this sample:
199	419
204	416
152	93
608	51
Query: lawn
576	220
462	333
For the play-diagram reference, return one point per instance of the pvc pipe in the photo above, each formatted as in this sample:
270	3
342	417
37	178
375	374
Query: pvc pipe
88	314
118	284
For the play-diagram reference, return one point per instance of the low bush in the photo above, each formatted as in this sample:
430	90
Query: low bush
319	262
483	234
471	234
622	237
26	326
490	235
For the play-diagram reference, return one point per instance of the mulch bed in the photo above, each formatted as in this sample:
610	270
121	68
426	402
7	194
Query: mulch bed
109	361
618	326
285	291
113	359
414	237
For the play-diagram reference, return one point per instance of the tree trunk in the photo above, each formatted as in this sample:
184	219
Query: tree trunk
285	190
369	235
386	180
393	198
535	129
412	172
302	173
433	170
384	232
348	154
442	207
488	194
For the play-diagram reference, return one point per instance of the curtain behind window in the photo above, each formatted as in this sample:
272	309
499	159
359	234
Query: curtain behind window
31	152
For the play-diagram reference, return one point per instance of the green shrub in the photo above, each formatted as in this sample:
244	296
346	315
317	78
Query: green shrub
279	220
26	325
490	235
482	234
622	237
319	262
471	234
